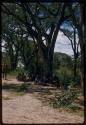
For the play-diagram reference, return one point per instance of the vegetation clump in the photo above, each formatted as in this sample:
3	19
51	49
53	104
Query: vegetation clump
66	78
23	88
65	100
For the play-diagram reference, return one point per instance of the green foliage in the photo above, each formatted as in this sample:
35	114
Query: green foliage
67	78
31	69
22	88
62	67
46	16
64	76
73	107
62	60
14	72
65	100
20	70
21	74
77	79
56	62
6	66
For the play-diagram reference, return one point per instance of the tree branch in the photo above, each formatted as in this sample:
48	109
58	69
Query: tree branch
68	38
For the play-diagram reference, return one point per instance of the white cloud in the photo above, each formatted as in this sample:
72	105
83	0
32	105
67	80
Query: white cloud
63	44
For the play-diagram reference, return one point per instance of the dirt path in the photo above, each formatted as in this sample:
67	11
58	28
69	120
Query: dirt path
28	109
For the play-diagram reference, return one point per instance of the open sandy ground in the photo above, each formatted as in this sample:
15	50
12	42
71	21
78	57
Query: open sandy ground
29	109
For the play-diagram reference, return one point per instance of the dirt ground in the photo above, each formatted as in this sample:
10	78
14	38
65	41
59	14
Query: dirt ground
29	109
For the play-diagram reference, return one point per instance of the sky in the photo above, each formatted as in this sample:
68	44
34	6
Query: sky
63	44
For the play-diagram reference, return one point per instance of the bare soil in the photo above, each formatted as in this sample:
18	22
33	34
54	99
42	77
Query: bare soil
29	108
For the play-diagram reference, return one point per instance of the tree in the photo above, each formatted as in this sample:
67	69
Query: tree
39	19
63	60
71	35
10	36
6	65
79	20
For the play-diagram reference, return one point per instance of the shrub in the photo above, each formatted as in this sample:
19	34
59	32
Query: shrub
14	73
64	76
21	75
23	87
67	78
77	79
64	100
73	107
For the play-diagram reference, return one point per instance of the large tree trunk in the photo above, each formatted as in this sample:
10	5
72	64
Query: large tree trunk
82	40
13	65
81	27
83	47
37	60
49	66
82	57
14	61
83	62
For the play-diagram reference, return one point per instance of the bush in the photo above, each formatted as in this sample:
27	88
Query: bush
77	79
14	73
21	75
23	87
73	107
64	100
66	77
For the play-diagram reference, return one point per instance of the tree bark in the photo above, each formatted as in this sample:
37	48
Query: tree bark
13	64
49	66
75	53
82	38
75	65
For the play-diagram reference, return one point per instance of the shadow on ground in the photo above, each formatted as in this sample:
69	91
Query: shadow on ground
27	88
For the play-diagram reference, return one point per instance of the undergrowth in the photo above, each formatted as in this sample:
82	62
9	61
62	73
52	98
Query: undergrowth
65	100
23	87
